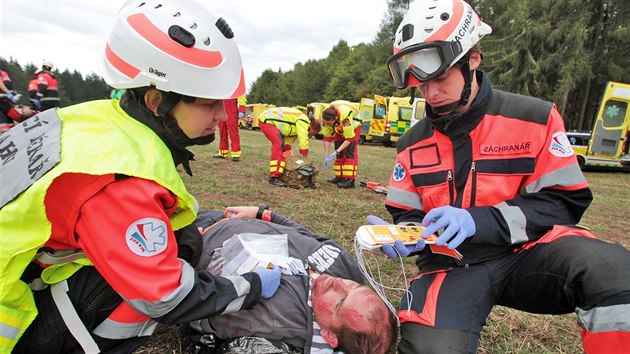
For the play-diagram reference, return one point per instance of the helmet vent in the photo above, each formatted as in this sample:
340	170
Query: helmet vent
407	32
158	6
444	16
207	41
224	28
177	14
142	4
193	26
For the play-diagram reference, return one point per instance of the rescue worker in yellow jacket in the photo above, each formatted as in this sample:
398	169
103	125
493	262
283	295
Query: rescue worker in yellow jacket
281	126
97	238
340	126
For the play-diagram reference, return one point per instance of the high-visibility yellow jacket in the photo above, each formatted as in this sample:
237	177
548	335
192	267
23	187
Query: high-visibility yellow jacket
89	138
290	122
345	124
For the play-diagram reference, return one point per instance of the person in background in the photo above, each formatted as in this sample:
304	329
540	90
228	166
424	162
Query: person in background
47	87
496	173
281	126
6	81
242	106
340	126
32	90
107	245
321	308
230	138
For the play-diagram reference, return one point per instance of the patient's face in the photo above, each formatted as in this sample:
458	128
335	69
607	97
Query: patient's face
341	302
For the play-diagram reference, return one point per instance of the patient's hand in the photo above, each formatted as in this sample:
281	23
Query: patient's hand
240	212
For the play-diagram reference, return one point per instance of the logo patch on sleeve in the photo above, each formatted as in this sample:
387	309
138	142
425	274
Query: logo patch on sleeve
147	237
399	172
560	145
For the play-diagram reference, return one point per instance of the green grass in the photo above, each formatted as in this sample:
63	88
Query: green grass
337	214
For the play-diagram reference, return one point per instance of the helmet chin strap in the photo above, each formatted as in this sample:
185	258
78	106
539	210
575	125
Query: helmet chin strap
174	132
464	66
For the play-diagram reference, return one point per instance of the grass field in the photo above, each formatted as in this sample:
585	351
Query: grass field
337	214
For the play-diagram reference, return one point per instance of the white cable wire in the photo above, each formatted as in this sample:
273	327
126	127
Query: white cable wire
378	286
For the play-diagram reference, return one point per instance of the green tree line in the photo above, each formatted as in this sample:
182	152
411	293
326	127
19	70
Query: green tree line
564	51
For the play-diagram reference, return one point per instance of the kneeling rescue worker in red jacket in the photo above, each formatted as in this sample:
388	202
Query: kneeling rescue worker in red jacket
497	173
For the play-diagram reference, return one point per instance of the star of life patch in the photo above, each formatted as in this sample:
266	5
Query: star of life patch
147	237
399	172
560	145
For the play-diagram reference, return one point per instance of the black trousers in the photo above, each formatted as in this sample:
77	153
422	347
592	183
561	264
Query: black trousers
94	301
552	278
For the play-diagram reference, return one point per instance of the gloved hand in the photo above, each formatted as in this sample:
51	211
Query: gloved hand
16	97
270	280
37	103
457	223
9	96
330	158
241	115
399	249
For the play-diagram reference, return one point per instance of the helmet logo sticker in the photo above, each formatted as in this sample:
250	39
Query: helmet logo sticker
147	237
156	72
560	145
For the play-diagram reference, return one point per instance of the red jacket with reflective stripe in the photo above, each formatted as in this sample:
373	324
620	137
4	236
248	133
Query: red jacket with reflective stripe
506	160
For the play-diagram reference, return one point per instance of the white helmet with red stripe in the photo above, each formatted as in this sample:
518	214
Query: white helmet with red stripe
176	47
433	36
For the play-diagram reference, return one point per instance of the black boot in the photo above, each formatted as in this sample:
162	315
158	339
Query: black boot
346	184
335	180
276	181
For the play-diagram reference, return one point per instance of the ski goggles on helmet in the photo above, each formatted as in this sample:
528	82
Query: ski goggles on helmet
425	61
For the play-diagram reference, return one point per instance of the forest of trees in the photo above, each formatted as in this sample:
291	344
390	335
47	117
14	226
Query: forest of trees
563	51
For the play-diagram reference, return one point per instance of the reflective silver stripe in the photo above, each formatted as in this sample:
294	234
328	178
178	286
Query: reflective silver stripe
242	287
118	330
71	318
59	257
163	306
567	176
404	198
516	221
605	319
8	332
50	99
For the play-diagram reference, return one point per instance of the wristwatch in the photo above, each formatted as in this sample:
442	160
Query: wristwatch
261	209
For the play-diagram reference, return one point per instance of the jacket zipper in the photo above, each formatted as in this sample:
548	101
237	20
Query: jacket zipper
473	191
451	187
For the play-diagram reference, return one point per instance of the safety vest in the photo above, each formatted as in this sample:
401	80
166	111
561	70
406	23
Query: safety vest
289	121
346	123
87	138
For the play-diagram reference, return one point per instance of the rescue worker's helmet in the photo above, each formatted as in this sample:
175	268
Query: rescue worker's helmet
433	36
47	65
178	47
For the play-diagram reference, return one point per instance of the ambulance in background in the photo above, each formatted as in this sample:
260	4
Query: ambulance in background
252	111
609	144
391	118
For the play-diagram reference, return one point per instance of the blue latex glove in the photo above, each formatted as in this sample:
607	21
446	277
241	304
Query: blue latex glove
330	158
270	280
241	115
457	223
399	249
37	104
9	96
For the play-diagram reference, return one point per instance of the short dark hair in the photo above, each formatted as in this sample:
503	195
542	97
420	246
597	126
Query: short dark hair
380	339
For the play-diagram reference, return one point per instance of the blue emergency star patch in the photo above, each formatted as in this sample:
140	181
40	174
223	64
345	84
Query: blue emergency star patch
399	172
147	237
